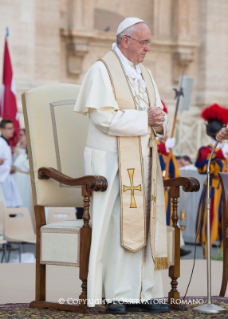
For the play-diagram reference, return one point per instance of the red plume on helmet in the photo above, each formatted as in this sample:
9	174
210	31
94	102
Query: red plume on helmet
216	117
215	112
164	107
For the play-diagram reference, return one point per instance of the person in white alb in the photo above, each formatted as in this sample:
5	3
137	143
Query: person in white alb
2	199
129	239
22	176
9	188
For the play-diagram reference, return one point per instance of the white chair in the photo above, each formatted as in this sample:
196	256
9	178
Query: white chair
56	140
18	227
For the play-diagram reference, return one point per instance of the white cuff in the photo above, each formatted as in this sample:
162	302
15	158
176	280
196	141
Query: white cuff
167	148
224	152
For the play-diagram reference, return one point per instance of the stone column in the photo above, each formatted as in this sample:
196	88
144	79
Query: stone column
213	62
81	14
81	20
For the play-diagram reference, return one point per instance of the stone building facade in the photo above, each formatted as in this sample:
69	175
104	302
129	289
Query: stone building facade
58	40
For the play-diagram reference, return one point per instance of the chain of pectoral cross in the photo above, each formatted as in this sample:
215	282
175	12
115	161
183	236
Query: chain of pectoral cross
137	96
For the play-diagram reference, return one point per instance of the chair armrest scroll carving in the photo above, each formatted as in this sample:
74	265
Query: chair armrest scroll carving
189	184
92	182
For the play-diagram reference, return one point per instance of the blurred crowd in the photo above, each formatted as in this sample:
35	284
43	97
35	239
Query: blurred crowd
15	183
216	118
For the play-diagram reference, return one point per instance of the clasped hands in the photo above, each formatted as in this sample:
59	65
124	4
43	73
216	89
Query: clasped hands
156	116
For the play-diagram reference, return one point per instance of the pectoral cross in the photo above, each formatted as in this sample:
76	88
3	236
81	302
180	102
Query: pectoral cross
132	188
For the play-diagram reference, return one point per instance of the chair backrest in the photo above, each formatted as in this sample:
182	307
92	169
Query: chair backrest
56	138
58	214
2	208
18	224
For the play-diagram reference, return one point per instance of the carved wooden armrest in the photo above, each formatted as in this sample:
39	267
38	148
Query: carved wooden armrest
189	184
88	185
92	183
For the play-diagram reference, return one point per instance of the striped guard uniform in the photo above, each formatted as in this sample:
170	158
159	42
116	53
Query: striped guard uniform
173	172
218	164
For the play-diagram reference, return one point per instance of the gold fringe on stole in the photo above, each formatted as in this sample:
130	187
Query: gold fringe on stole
151	141
161	263
153	145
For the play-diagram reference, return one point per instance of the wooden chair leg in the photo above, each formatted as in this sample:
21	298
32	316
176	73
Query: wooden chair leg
223	177
174	271
225	244
225	268
85	242
40	269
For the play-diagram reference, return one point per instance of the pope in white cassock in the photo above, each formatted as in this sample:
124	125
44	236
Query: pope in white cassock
129	238
11	194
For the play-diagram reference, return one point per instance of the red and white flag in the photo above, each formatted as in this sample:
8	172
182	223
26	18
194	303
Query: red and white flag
8	106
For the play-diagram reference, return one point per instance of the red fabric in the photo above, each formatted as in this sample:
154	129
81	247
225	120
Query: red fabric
165	109
215	112
219	154
205	151
8	106
162	149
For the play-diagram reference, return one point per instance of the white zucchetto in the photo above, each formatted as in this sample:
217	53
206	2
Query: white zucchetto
126	23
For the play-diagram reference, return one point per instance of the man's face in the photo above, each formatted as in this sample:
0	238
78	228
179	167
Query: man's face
136	51
8	131
22	136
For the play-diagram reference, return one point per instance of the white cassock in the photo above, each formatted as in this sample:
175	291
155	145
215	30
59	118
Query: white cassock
114	272
9	188
22	177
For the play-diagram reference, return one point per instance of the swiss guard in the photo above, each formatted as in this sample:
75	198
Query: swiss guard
216	117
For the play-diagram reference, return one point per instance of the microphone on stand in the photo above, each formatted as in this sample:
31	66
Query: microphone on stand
209	308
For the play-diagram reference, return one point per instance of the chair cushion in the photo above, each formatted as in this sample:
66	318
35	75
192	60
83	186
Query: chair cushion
60	243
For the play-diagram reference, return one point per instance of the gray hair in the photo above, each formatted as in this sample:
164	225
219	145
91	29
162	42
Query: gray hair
129	31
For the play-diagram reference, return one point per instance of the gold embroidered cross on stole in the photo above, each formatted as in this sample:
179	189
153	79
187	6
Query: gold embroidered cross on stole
132	187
